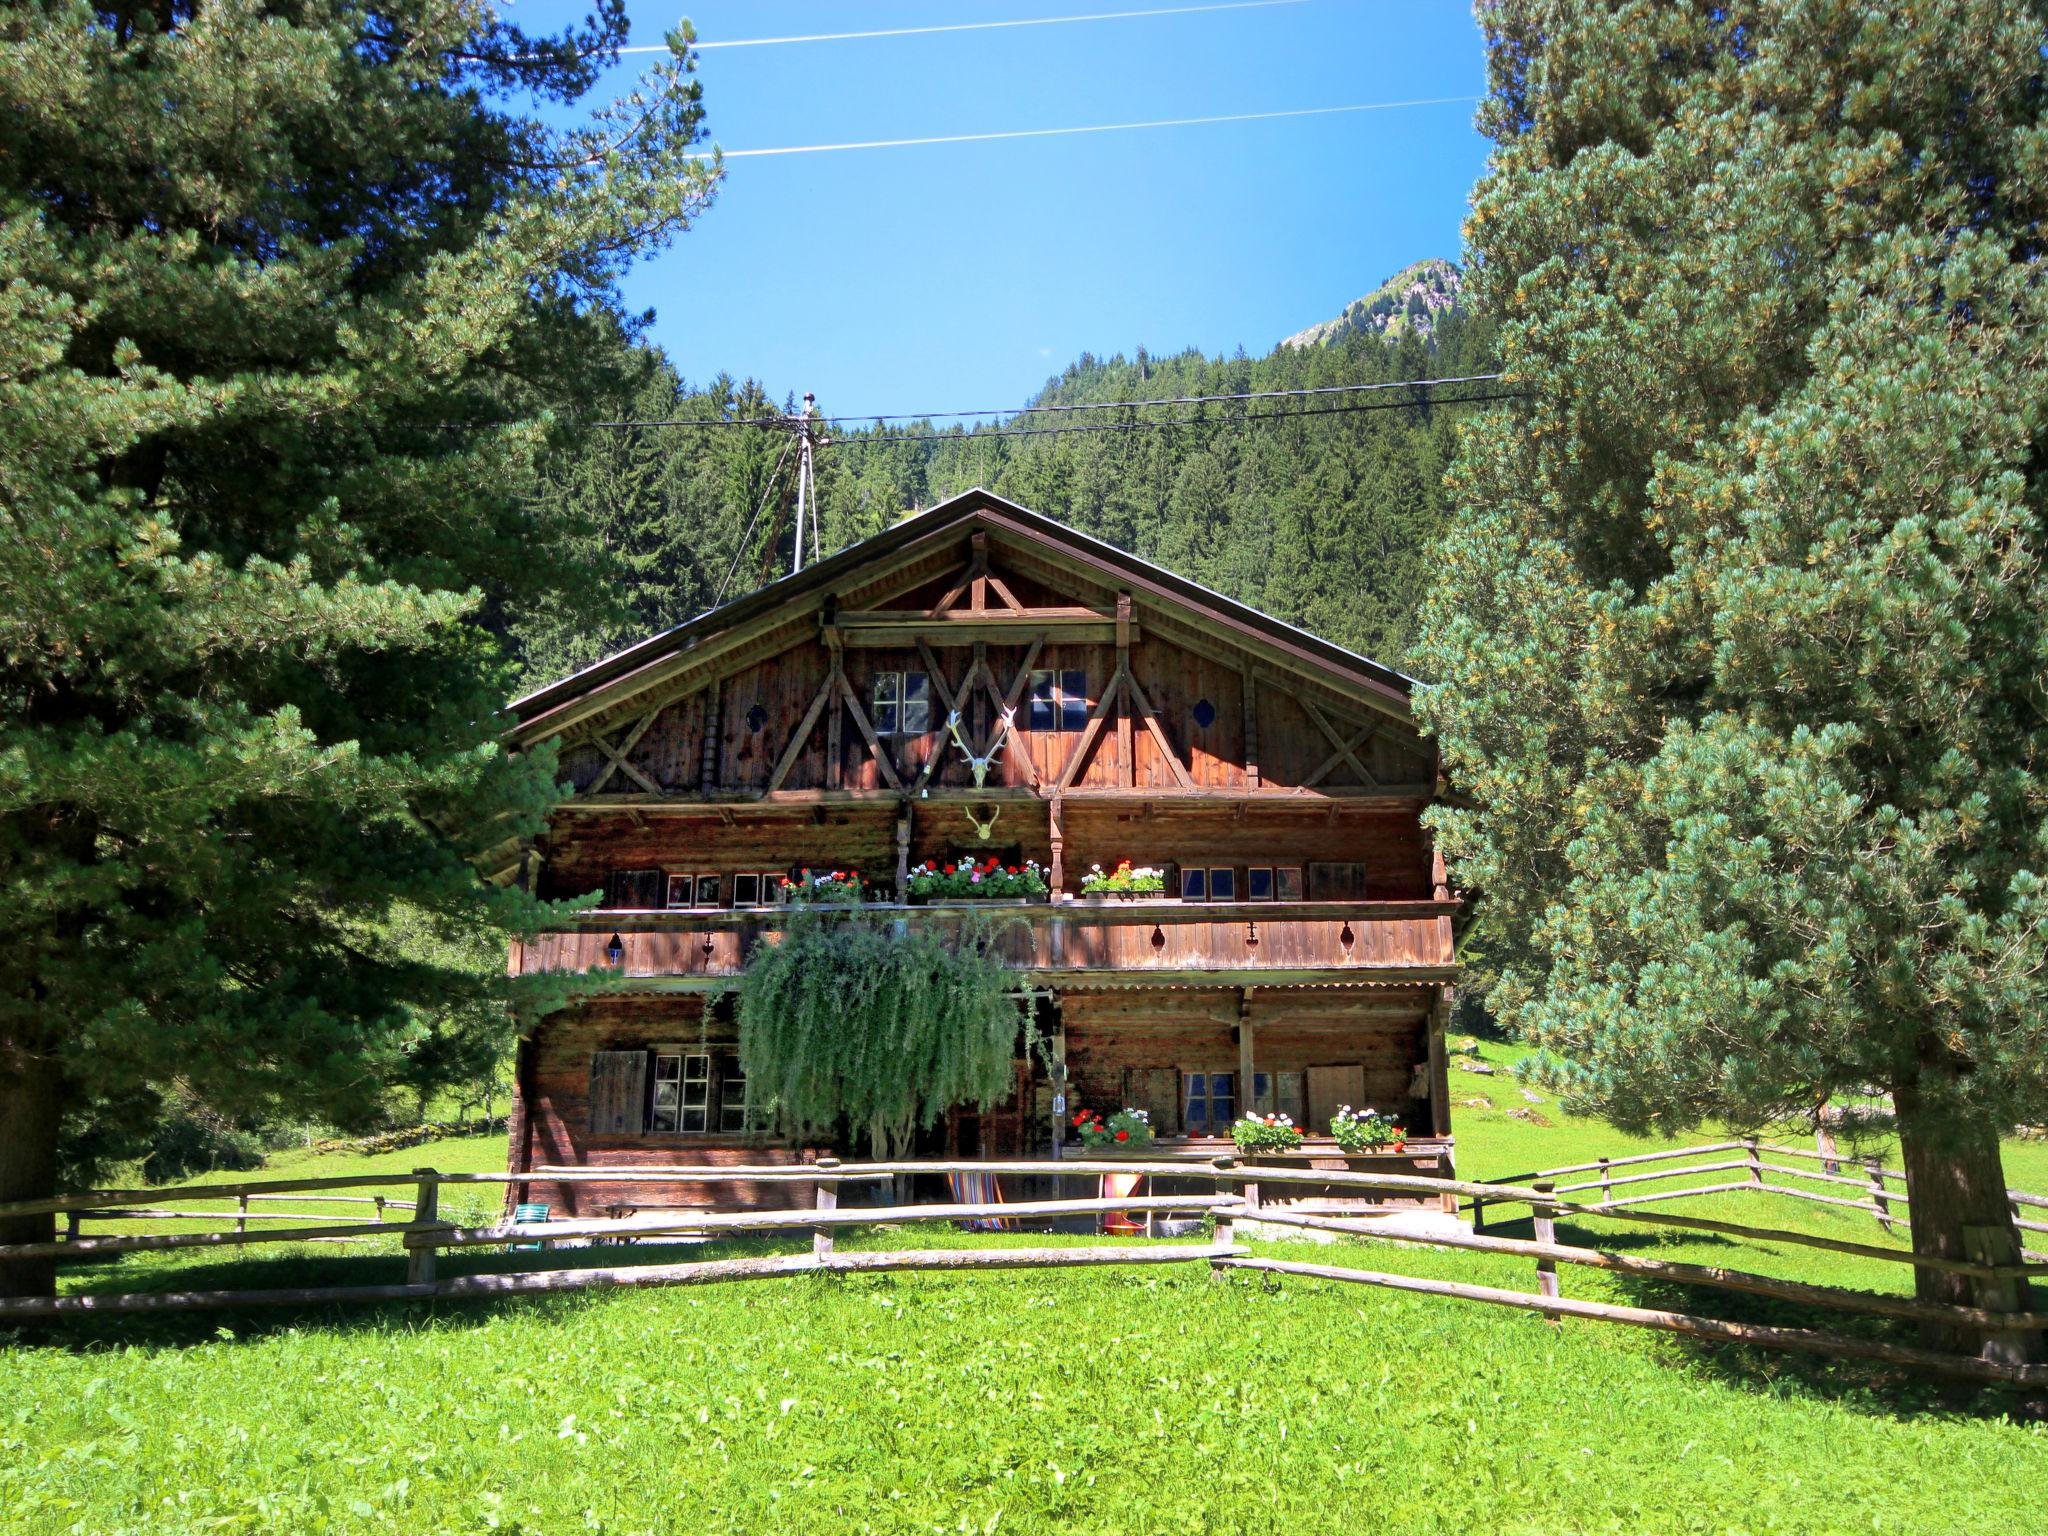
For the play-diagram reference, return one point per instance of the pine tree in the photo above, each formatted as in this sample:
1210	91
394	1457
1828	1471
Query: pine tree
1739	642
285	299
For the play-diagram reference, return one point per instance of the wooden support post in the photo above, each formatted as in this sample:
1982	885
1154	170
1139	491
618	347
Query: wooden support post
826	1199
1226	1225
1439	1065
714	731
903	852
1873	1172
1478	1214
242	1212
426	1212
1247	1067
1606	1180
1126	769
378	1201
1249	688
1756	1161
71	1220
1058	873
1546	1232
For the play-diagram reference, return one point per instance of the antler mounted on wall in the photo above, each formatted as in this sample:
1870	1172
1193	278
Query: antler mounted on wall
983	828
981	762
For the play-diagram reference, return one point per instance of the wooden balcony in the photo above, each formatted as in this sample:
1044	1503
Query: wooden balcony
1266	942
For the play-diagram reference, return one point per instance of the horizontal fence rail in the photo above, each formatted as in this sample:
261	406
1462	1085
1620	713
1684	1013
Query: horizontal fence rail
1238	1193
1881	1198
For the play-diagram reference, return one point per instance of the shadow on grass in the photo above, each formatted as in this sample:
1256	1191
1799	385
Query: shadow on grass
1866	1386
300	1270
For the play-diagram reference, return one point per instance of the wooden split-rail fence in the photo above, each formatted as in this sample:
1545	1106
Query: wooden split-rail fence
1233	1199
1762	1171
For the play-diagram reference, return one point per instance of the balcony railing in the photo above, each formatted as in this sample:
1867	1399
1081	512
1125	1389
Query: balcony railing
1404	940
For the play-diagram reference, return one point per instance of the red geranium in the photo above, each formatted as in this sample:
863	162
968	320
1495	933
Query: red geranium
1123	1135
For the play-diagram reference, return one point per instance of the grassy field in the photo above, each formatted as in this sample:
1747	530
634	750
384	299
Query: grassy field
1070	1401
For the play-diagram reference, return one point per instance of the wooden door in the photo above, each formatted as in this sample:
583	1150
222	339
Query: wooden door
1330	1089
618	1093
1156	1090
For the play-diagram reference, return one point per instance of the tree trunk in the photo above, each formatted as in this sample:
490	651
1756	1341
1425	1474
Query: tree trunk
1955	1186
30	1102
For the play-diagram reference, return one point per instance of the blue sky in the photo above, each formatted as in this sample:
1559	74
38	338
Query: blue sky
961	276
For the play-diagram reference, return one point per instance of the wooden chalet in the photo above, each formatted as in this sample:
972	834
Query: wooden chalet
1301	957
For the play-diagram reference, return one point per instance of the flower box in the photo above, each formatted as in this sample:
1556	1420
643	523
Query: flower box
978	881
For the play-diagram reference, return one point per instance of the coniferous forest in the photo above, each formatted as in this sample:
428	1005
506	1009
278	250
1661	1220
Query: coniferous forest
1327	519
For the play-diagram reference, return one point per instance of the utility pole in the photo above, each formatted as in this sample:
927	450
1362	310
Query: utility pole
808	439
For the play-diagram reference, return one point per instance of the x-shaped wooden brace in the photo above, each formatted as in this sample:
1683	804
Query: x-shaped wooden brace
615	756
1347	748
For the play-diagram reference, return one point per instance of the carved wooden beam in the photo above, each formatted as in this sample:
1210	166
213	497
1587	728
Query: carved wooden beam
1096	716
1126	768
802	733
867	731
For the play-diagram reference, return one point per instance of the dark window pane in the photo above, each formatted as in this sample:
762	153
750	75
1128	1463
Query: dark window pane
1073	701
707	890
1223	885
1287	884
746	890
885	720
1044	713
1204	713
1258	884
1194	885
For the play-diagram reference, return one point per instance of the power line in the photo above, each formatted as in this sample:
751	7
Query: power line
767	491
1049	133
1042	410
1174	421
970	26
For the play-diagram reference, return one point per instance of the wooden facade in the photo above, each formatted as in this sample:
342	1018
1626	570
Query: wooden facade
980	681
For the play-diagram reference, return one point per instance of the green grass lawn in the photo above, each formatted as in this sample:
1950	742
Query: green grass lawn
1116	1400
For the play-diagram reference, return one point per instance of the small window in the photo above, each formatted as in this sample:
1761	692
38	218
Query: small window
1223	885
1204	713
1194	885
732	1097
1209	1102
635	890
1059	701
757	717
681	890
902	704
707	891
746	890
1280	1093
1287	883
1258	884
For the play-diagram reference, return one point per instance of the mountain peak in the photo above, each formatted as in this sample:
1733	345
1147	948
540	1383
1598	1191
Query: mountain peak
1409	300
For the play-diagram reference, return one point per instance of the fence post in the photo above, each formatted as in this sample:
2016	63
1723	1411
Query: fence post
1606	1186
71	1220
426	1212
1756	1161
825	1197
1226	1223
1546	1232
1873	1172
242	1206
379	1199
1478	1213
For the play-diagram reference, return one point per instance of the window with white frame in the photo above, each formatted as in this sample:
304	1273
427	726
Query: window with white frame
900	704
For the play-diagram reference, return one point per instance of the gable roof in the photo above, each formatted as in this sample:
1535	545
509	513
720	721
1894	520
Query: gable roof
650	661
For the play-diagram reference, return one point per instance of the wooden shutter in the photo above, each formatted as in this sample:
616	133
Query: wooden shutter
1336	882
1155	1090
618	1093
1330	1089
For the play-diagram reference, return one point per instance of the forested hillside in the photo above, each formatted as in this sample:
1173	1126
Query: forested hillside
1327	520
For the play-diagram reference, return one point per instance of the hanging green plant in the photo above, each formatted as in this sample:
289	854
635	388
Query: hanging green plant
846	1023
